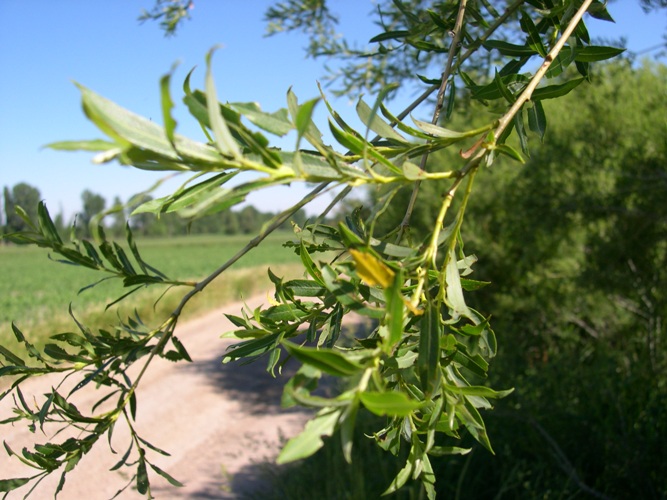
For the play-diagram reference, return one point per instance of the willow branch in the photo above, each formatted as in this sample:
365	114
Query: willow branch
539	74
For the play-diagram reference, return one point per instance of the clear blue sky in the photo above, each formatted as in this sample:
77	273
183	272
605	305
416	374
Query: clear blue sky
47	44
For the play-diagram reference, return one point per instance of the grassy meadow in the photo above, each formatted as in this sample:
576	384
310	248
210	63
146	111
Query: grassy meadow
35	291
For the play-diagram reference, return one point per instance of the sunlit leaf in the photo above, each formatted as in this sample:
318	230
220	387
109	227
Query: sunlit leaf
395	308
375	123
310	440
167	105
127	129
394	404
223	138
304	116
480	391
371	269
276	123
94	145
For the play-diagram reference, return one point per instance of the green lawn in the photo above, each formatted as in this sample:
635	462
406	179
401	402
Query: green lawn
35	291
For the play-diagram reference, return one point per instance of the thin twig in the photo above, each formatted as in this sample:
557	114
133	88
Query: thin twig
436	113
277	222
539	74
462	58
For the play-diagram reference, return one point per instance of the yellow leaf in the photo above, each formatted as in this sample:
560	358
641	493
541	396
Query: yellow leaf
271	300
372	270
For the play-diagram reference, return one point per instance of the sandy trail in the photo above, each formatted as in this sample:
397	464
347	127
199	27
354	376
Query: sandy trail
221	424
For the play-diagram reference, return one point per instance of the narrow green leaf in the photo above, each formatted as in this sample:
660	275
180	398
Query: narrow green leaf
517	82
394	404
275	123
561	62
154	448
202	192
309	264
44	410
122	258
509	49
537	119
428	361
510	151
310	440
472	285
451	98
12	484
93	145
46	224
534	39
124	458
472	420
502	88
598	10
440	22
370	118
142	476
395	309
167	105
180	348
445	133
455	298
390	35
172	480
347	421
521	131
479	391
304	116
328	360
553	91
223	138
58	353
305	288
11	357
403	475
441	451
128	128
311	133
594	53
252	348
400	125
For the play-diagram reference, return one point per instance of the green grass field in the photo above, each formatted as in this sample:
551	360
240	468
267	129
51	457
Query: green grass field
35	291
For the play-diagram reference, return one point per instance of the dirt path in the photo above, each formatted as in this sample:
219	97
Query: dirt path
219	422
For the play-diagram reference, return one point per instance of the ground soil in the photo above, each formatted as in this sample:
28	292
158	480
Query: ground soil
222	424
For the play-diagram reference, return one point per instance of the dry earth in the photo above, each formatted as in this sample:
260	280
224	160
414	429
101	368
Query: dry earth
222	425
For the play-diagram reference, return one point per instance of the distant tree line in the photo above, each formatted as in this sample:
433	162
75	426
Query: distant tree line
247	220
